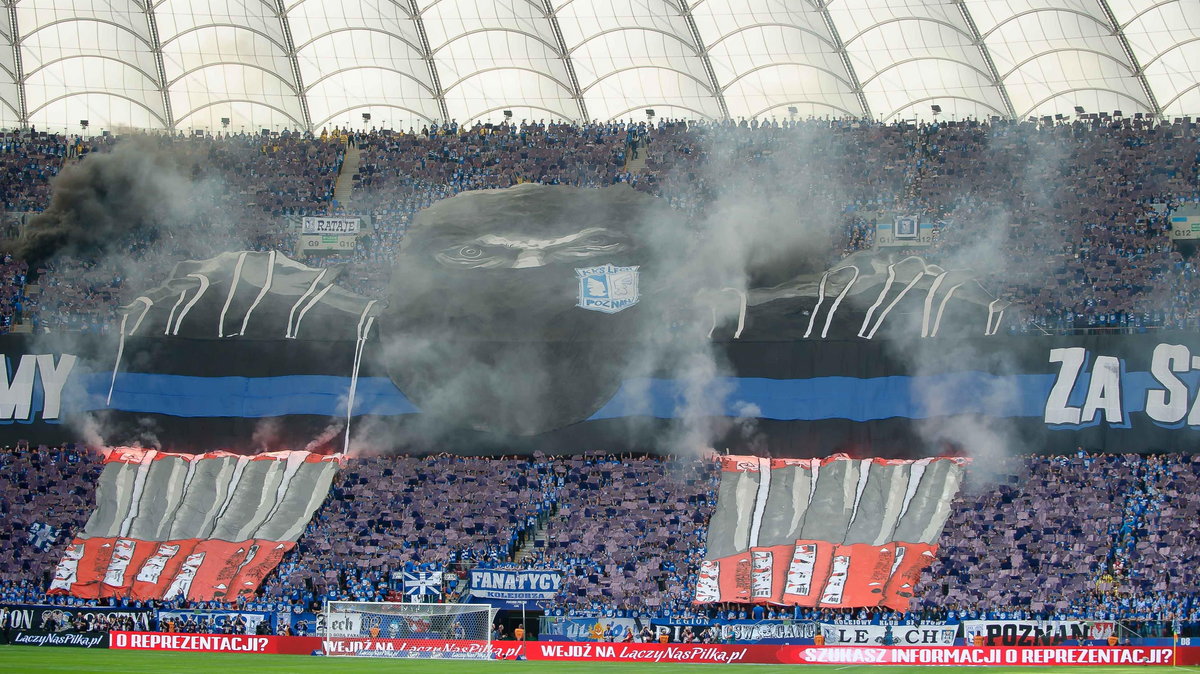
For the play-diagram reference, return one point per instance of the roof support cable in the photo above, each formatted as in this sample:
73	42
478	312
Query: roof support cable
565	55
702	52
997	81
823	7
1118	32
156	49
439	96
294	61
19	75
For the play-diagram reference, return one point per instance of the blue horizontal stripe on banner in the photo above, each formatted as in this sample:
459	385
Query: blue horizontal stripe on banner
913	397
247	397
855	399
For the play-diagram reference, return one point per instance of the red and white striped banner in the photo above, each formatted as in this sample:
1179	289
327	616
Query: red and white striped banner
206	527
833	532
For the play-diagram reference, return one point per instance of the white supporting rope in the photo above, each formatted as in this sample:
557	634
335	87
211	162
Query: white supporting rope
928	312
887	285
879	322
117	364
233	284
363	330
171	316
741	310
138	323
311	303
204	283
937	322
288	333
841	296
262	293
989	330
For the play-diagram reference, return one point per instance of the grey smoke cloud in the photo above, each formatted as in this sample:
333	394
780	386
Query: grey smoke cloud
483	323
983	241
99	203
130	212
480	325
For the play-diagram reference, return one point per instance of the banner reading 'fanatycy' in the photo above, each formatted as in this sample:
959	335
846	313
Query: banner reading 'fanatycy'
515	585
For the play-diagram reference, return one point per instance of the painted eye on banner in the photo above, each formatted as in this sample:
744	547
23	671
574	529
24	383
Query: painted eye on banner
475	256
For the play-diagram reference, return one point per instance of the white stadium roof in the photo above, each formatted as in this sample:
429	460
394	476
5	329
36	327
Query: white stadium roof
186	64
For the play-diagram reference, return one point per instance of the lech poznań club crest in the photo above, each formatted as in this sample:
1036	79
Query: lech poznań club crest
607	288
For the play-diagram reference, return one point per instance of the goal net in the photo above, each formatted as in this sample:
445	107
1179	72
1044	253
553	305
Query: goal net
401	630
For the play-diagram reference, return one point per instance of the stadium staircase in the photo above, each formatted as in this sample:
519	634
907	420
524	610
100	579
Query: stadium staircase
537	537
635	165
535	540
343	189
1143	504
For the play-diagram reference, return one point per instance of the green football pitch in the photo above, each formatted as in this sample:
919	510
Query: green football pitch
34	659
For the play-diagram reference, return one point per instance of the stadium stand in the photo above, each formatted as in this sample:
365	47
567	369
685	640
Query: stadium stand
1073	218
1109	257
626	526
1088	536
40	485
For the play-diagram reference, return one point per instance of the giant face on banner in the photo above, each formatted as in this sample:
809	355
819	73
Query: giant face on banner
514	314
513	310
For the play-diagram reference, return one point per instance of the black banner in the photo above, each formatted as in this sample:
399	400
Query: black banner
37	618
803	397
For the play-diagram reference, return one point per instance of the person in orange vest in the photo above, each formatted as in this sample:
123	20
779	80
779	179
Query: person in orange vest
1112	640
519	633
664	637
977	640
819	639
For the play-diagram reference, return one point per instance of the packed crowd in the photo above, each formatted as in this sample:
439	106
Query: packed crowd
1017	542
40	486
390	514
625	525
1088	536
1070	219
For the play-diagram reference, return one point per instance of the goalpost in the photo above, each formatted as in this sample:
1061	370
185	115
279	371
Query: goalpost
403	630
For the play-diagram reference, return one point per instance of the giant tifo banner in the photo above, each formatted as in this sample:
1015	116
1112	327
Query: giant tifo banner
201	527
541	317
833	532
674	653
805	397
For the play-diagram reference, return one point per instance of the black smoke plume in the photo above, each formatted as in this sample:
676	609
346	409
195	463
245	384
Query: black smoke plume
105	202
